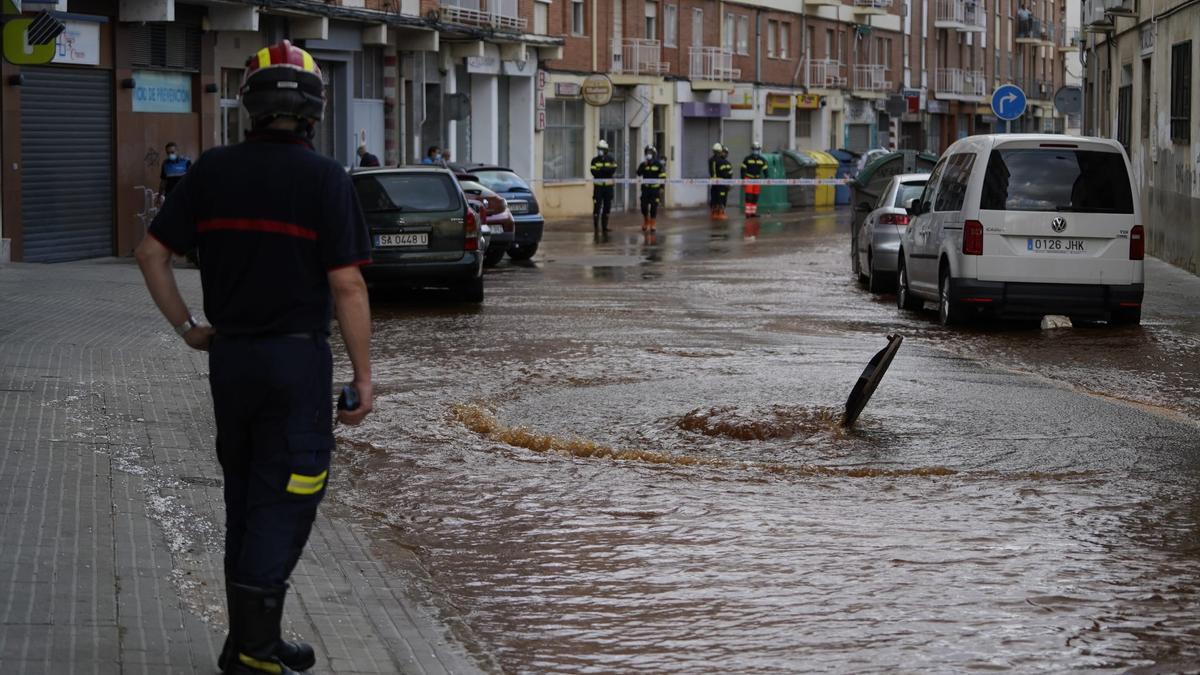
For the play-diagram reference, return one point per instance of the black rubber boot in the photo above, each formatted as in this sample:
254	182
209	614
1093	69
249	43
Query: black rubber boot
294	655
257	647
604	223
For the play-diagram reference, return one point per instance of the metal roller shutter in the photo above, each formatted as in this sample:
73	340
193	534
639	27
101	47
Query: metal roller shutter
66	164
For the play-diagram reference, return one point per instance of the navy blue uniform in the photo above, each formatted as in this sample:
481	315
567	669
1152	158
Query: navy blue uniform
603	168
270	217
173	171
719	166
656	170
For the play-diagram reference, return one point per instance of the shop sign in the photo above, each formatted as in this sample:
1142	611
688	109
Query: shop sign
519	68
808	101
567	89
540	121
483	65
158	92
779	104
597	90
540	101
78	44
937	107
742	98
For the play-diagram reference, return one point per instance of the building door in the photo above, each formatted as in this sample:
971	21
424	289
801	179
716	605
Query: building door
612	130
775	135
328	140
858	137
699	135
67	164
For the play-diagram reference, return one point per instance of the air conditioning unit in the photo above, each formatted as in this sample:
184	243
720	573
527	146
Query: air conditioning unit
1121	7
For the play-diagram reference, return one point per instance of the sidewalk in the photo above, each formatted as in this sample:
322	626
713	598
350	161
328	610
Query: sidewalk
111	516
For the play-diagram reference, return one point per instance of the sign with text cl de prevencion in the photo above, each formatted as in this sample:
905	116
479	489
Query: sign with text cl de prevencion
159	92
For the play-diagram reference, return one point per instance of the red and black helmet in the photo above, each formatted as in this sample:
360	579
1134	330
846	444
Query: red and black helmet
283	81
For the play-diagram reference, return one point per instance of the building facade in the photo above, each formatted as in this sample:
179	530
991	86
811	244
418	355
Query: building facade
530	84
1141	88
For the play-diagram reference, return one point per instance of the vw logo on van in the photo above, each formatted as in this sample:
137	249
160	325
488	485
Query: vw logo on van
1058	224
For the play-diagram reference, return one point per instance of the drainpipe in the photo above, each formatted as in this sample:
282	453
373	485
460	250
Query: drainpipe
595	38
758	45
803	56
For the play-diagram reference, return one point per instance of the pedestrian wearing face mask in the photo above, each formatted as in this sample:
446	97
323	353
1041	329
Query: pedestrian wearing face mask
652	169
433	155
174	168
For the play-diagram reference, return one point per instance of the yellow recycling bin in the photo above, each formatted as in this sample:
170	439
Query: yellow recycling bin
827	167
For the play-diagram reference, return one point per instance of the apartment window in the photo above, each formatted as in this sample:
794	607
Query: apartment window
727	39
577	18
651	20
804	124
1125	113
368	73
808	45
743	35
1147	91
168	46
785	37
1181	92
697	27
541	18
670	26
829	43
563	139
772	28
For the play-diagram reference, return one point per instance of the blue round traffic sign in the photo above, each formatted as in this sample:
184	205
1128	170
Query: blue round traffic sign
1008	102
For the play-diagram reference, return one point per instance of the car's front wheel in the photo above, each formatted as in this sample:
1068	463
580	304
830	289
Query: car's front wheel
522	251
904	296
855	263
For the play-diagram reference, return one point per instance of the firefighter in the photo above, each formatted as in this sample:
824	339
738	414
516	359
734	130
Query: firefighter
719	167
281	236
604	167
753	167
652	169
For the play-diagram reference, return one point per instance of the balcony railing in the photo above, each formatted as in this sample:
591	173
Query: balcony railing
1035	31
871	78
1070	38
956	82
961	15
502	14
872	4
1037	88
712	63
637	56
826	74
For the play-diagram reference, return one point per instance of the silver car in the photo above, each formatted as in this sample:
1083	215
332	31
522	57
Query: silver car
877	240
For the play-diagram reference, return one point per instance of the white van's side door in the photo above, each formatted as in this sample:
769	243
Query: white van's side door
917	256
947	223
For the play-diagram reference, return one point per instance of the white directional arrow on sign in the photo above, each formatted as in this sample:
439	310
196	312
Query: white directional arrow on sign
1005	100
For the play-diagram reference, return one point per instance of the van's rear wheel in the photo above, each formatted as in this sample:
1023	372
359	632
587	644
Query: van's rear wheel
904	297
949	312
1125	317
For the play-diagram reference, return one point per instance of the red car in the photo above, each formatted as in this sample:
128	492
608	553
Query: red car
496	215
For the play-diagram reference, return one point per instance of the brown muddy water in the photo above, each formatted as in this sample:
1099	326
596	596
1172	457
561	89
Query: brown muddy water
628	460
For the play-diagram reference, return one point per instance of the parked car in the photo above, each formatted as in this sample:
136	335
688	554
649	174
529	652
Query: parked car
521	202
1023	225
877	240
423	231
496	215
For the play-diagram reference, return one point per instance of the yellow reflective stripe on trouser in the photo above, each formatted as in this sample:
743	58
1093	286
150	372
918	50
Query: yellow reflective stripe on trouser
264	57
264	666
306	485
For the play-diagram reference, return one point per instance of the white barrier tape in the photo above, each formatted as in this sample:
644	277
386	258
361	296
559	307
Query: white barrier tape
700	181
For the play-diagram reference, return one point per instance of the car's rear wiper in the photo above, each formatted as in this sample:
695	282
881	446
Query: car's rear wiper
1085	209
394	209
518	188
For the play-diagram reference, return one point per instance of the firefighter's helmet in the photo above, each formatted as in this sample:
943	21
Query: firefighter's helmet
283	81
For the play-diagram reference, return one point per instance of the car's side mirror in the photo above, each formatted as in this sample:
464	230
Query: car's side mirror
913	206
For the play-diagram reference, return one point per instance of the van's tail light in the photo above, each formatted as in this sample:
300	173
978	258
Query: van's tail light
893	219
973	238
472	243
1137	243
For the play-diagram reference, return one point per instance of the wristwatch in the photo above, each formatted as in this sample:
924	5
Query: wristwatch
184	327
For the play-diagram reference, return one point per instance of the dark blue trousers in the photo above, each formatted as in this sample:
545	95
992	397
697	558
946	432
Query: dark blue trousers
272	400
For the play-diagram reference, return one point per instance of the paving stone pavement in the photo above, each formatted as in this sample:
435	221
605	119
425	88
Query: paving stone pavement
111	513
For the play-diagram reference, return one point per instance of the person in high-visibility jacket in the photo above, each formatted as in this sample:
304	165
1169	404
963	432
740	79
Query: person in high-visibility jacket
652	169
719	166
604	167
753	167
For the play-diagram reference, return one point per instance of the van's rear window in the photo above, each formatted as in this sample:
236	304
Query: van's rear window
1056	179
383	192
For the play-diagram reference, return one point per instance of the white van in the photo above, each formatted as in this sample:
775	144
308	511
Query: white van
1024	225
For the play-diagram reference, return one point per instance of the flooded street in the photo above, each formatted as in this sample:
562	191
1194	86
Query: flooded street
628	460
